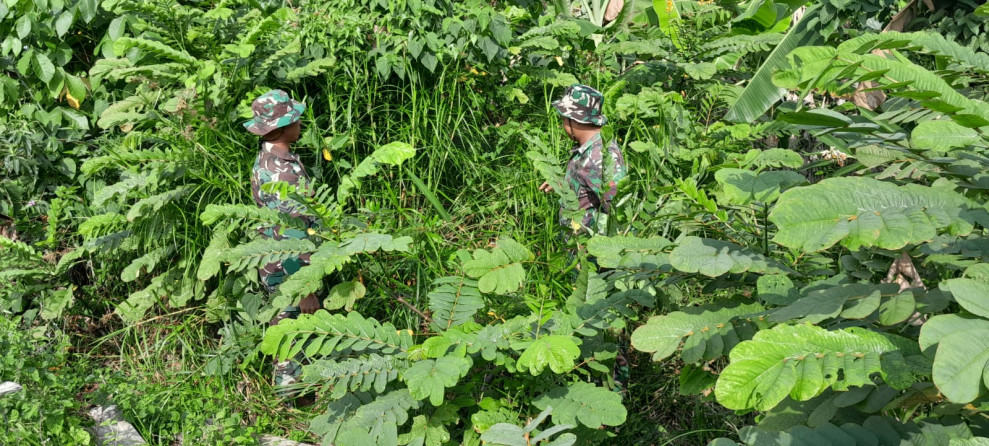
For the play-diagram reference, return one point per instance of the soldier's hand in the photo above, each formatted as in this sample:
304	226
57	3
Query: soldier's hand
309	305
545	187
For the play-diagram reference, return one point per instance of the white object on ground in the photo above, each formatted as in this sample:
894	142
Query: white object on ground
271	440
9	387
111	429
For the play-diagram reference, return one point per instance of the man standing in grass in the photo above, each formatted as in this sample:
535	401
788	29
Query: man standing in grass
276	121
591	177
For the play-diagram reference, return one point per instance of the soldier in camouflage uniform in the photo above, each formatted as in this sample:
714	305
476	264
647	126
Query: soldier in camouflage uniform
593	180
276	121
580	108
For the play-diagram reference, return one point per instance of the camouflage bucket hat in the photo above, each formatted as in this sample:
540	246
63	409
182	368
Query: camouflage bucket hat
273	110
582	104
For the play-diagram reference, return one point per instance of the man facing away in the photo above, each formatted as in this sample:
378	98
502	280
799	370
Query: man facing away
591	178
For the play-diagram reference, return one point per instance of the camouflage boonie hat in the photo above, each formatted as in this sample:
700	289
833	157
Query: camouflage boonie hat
273	110
582	104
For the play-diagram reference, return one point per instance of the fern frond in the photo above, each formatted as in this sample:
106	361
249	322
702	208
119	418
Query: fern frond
318	66
923	42
98	223
121	112
353	374
249	214
121	188
8	275
370	242
292	47
261	251
127	158
145	263
121	45
171	70
110	242
269	23
156	202
556	28
645	49
740	45
362	419
20	250
453	301
391	154
328	333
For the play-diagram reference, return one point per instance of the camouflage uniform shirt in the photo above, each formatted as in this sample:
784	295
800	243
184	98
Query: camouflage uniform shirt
270	167
585	176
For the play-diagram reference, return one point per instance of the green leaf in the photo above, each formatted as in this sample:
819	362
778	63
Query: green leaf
430	378
961	364
43	67
865	212
821	305
942	136
371	372
611	250
943	325
591	405
662	335
760	94
23	26
63	23
555	351
499	270
713	258
801	361
391	154
817	118
743	187
776	289
775	157
970	294
453	301
53	303
344	295
897	308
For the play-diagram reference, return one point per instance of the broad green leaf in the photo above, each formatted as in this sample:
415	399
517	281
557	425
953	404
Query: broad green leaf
821	305
800	361
818	118
430	378
972	295
865	212
961	364
344	295
942	136
43	67
53	303
611	250
943	325
586	403
64	22
743	187
713	258
662	335
760	94
499	270
556	351
897	308
777	289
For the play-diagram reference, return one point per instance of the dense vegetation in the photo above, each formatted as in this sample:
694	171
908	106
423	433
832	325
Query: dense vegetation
797	256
